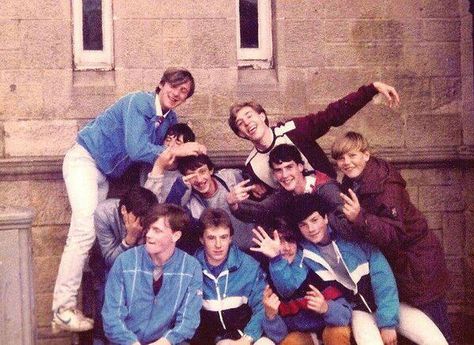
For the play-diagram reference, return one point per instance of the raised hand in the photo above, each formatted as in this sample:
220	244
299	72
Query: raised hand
389	92
351	206
188	149
266	245
316	300
239	192
271	302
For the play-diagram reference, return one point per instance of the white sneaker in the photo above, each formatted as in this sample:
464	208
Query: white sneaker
71	320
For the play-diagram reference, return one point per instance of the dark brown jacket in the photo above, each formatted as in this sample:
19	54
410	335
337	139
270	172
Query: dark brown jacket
389	220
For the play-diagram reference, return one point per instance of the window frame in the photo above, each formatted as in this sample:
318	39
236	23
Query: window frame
262	57
93	59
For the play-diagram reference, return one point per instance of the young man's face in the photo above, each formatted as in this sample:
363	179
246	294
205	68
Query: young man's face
172	140
314	228
202	181
251	124
289	175
160	238
352	163
288	249
173	96
216	242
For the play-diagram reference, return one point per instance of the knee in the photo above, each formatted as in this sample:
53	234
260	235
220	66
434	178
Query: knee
298	338
337	335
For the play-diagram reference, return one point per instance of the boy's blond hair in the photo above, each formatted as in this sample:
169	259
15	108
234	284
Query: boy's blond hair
348	142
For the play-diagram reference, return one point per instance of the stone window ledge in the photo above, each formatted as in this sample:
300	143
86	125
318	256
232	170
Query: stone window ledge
49	167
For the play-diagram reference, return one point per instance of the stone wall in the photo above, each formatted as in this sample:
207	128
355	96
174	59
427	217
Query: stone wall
322	50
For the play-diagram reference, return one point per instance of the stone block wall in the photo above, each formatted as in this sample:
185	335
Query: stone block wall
322	50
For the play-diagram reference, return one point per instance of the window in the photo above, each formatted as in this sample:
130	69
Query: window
254	34
92	20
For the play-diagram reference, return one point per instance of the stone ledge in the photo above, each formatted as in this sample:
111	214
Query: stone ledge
49	167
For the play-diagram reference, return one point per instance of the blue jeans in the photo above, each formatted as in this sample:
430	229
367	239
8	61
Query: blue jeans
438	312
86	187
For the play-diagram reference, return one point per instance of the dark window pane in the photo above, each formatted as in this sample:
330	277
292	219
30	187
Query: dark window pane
92	24
248	23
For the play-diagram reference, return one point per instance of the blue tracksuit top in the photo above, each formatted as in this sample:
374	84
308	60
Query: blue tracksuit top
125	133
132	312
374	288
241	281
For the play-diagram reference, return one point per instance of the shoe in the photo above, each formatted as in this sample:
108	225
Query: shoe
71	320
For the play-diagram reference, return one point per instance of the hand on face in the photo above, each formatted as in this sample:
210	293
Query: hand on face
191	148
133	227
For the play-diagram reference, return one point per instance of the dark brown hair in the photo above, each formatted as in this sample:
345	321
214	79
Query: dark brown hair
214	217
236	107
175	77
177	217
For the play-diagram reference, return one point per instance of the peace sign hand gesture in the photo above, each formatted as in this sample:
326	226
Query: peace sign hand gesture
351	206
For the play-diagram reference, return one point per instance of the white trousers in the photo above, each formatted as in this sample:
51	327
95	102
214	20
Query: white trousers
414	325
86	187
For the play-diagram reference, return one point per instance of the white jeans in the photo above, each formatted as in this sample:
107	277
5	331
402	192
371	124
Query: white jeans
86	187
414	325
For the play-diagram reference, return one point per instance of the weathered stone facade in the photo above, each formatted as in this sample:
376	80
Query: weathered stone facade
322	50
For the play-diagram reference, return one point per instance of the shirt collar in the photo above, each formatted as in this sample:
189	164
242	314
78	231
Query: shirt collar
159	111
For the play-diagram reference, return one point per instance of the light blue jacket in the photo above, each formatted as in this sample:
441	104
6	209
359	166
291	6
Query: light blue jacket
373	285
133	313
241	279
125	133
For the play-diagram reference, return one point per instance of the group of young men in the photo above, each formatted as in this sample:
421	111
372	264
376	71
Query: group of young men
276	253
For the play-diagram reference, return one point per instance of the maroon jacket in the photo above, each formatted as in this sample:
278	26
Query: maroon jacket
389	220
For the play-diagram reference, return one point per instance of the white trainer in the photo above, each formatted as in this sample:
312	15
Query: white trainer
71	320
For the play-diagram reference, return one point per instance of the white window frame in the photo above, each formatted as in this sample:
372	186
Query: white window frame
257	57
93	59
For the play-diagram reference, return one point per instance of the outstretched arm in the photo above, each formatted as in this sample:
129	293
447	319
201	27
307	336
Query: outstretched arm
315	125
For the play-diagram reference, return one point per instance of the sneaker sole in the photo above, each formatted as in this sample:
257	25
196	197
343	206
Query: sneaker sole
57	327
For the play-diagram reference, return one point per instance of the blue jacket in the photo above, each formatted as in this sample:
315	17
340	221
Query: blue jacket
373	287
132	312
227	298
125	133
339	309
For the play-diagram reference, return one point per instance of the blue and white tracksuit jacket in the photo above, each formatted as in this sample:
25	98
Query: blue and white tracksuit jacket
304	320
126	132
132	312
233	300
373	287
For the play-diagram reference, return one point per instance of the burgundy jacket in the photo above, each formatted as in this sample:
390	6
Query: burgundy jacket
389	220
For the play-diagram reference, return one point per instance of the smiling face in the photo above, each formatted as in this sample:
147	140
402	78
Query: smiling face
160	238
251	125
216	242
288	249
172	96
314	228
290	176
202	181
353	163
